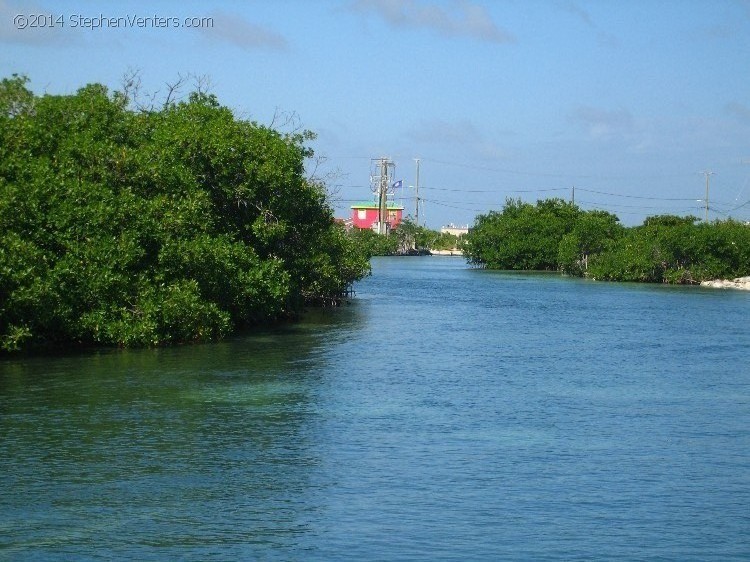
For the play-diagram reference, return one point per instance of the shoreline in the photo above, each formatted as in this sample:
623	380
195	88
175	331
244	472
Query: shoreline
740	283
446	253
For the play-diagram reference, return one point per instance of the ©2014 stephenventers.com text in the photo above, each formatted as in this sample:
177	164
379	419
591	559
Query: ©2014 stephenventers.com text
100	21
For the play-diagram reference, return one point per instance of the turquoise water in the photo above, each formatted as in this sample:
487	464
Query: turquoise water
446	414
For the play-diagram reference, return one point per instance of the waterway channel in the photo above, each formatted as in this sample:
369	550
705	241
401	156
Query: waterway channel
447	413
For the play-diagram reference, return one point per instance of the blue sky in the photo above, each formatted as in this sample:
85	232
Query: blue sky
627	101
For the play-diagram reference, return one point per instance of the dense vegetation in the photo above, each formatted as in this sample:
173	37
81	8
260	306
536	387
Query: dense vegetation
410	235
557	235
670	249
550	235
405	239
123	226
374	244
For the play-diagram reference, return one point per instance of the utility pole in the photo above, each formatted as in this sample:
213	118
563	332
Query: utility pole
708	174
573	196
416	186
382	197
381	185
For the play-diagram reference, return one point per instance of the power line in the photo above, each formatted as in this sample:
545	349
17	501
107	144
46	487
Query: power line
486	206
623	206
488	169
443	204
543	190
708	174
739	206
550	175
496	191
637	196
635	213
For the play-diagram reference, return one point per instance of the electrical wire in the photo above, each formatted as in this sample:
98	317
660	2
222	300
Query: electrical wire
339	203
549	175
456	190
634	196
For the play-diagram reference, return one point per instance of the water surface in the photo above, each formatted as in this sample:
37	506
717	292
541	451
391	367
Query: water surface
446	414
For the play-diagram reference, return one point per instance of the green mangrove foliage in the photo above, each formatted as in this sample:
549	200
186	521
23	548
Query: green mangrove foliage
529	237
671	249
557	235
404	239
411	236
373	244
147	227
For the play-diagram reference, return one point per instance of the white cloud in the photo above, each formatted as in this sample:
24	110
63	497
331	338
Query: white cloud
603	38
461	19
739	111
602	123
460	134
718	31
18	26
576	10
440	131
236	30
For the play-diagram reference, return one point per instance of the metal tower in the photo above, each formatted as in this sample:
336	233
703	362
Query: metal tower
380	183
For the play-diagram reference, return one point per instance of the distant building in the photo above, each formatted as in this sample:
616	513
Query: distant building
348	224
454	230
365	215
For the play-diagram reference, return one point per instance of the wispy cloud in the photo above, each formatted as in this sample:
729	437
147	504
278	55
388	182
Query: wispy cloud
460	19
719	31
603	124
607	40
604	38
456	134
576	10
440	131
13	16
739	111
234	29
619	129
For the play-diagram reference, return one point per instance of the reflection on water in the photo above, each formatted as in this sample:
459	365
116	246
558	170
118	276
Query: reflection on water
170	448
447	413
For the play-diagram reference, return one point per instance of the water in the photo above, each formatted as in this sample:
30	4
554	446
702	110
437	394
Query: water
447	414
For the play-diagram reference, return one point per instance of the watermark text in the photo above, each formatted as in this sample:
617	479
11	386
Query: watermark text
101	21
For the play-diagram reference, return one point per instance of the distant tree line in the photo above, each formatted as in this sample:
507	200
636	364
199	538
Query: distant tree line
557	235
407	238
135	226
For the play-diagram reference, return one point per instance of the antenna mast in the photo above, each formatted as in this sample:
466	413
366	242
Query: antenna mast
381	184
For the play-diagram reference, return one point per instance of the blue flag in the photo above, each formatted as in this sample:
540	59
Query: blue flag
397	184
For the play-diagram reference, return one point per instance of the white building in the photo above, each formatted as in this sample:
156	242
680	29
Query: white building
454	229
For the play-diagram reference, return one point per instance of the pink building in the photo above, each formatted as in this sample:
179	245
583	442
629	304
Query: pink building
364	215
